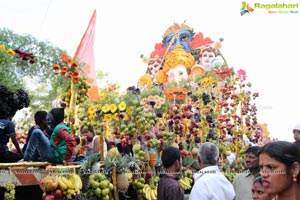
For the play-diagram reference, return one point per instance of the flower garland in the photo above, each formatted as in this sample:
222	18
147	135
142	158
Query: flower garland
70	68
176	93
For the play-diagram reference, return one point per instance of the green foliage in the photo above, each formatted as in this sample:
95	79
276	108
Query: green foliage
38	77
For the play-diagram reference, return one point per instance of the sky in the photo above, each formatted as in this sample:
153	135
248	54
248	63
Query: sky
262	43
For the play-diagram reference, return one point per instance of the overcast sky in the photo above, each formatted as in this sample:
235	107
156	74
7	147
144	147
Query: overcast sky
264	44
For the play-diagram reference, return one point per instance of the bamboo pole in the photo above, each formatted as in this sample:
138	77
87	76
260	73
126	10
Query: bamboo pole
72	106
101	147
114	180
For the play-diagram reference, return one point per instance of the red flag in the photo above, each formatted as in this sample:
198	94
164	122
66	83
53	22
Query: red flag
85	54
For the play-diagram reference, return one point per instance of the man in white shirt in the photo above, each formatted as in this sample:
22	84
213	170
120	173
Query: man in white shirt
210	183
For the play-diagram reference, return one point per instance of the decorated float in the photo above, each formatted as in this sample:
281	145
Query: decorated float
188	95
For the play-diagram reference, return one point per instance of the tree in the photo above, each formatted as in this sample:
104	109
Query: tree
31	67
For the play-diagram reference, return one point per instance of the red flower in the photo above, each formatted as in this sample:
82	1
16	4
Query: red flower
199	41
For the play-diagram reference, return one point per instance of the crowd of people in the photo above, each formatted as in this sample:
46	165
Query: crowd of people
49	140
272	173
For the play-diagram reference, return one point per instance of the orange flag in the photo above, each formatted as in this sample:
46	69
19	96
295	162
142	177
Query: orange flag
85	54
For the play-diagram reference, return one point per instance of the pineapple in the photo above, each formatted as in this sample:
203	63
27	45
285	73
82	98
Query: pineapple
122	183
85	170
122	179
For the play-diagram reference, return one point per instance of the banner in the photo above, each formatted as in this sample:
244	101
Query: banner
85	54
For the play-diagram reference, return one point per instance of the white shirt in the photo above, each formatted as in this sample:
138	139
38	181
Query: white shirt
90	147
211	184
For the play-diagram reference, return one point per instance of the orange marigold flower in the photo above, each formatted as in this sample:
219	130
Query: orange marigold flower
64	68
70	61
55	67
63	73
65	57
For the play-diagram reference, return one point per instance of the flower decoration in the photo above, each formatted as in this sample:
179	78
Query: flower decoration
223	73
21	54
207	81
242	74
69	68
113	108
106	108
122	106
24	55
152	102
107	117
145	80
10	52
176	93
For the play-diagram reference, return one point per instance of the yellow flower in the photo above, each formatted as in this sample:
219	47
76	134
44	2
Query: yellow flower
126	117
116	117
105	108
107	117
113	108
145	81
2	46
207	81
122	106
130	110
10	52
102	95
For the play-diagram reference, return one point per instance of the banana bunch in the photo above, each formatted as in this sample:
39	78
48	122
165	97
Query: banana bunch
70	185
185	183
150	192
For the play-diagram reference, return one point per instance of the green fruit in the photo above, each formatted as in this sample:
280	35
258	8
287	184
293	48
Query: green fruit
105	192
98	192
103	184
110	186
94	184
105	197
140	191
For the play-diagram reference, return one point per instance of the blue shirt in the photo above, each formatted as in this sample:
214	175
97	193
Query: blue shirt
7	130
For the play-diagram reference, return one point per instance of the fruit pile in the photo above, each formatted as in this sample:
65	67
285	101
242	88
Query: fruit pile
100	187
139	184
82	88
9	194
150	190
56	187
